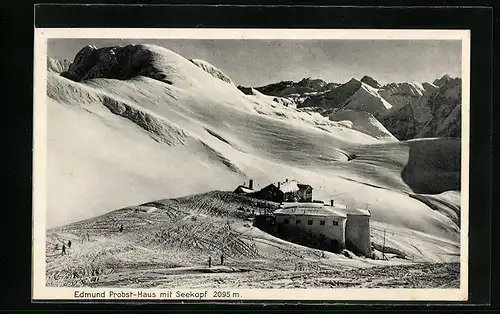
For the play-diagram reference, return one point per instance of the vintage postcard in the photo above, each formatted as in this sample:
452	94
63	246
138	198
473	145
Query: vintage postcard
250	164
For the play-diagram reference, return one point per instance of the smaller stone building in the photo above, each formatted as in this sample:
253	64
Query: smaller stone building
243	189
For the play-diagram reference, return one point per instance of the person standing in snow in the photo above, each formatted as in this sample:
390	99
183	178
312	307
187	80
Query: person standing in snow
209	262
63	252
85	237
69	244
222	259
121	228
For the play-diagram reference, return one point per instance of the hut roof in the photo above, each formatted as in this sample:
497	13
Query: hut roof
289	186
298	204
310	211
244	189
359	212
303	186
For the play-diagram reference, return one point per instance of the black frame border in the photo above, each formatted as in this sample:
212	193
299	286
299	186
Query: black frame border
478	19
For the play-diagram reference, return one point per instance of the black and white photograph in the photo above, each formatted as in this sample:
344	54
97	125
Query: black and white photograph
251	164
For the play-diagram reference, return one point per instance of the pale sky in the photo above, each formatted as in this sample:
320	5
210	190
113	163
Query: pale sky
260	62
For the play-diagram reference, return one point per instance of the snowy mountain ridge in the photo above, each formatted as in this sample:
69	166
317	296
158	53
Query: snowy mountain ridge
212	70
401	107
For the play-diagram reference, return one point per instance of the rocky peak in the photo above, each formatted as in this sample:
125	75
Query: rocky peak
429	87
312	83
353	82
441	81
371	81
116	62
57	66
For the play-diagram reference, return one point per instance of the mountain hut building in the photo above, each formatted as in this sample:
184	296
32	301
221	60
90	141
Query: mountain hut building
316	220
336	226
287	191
243	189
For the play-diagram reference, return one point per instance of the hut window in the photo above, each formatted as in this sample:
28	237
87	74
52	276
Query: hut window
322	222
286	221
335	223
310	222
297	222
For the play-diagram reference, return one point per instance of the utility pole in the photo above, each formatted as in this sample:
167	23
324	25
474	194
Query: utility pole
383	248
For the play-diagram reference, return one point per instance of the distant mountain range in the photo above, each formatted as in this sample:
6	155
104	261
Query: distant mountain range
406	109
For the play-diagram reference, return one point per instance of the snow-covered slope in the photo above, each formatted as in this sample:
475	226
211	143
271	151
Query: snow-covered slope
95	122
212	70
445	202
173	129
167	244
354	95
284	101
368	99
364	122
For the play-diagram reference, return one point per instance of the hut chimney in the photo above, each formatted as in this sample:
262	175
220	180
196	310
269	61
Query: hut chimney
286	180
279	185
331	203
250	184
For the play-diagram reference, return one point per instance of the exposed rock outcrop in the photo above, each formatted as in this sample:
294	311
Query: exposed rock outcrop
306	86
436	113
58	66
371	81
246	90
442	81
315	84
335	98
445	108
115	62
